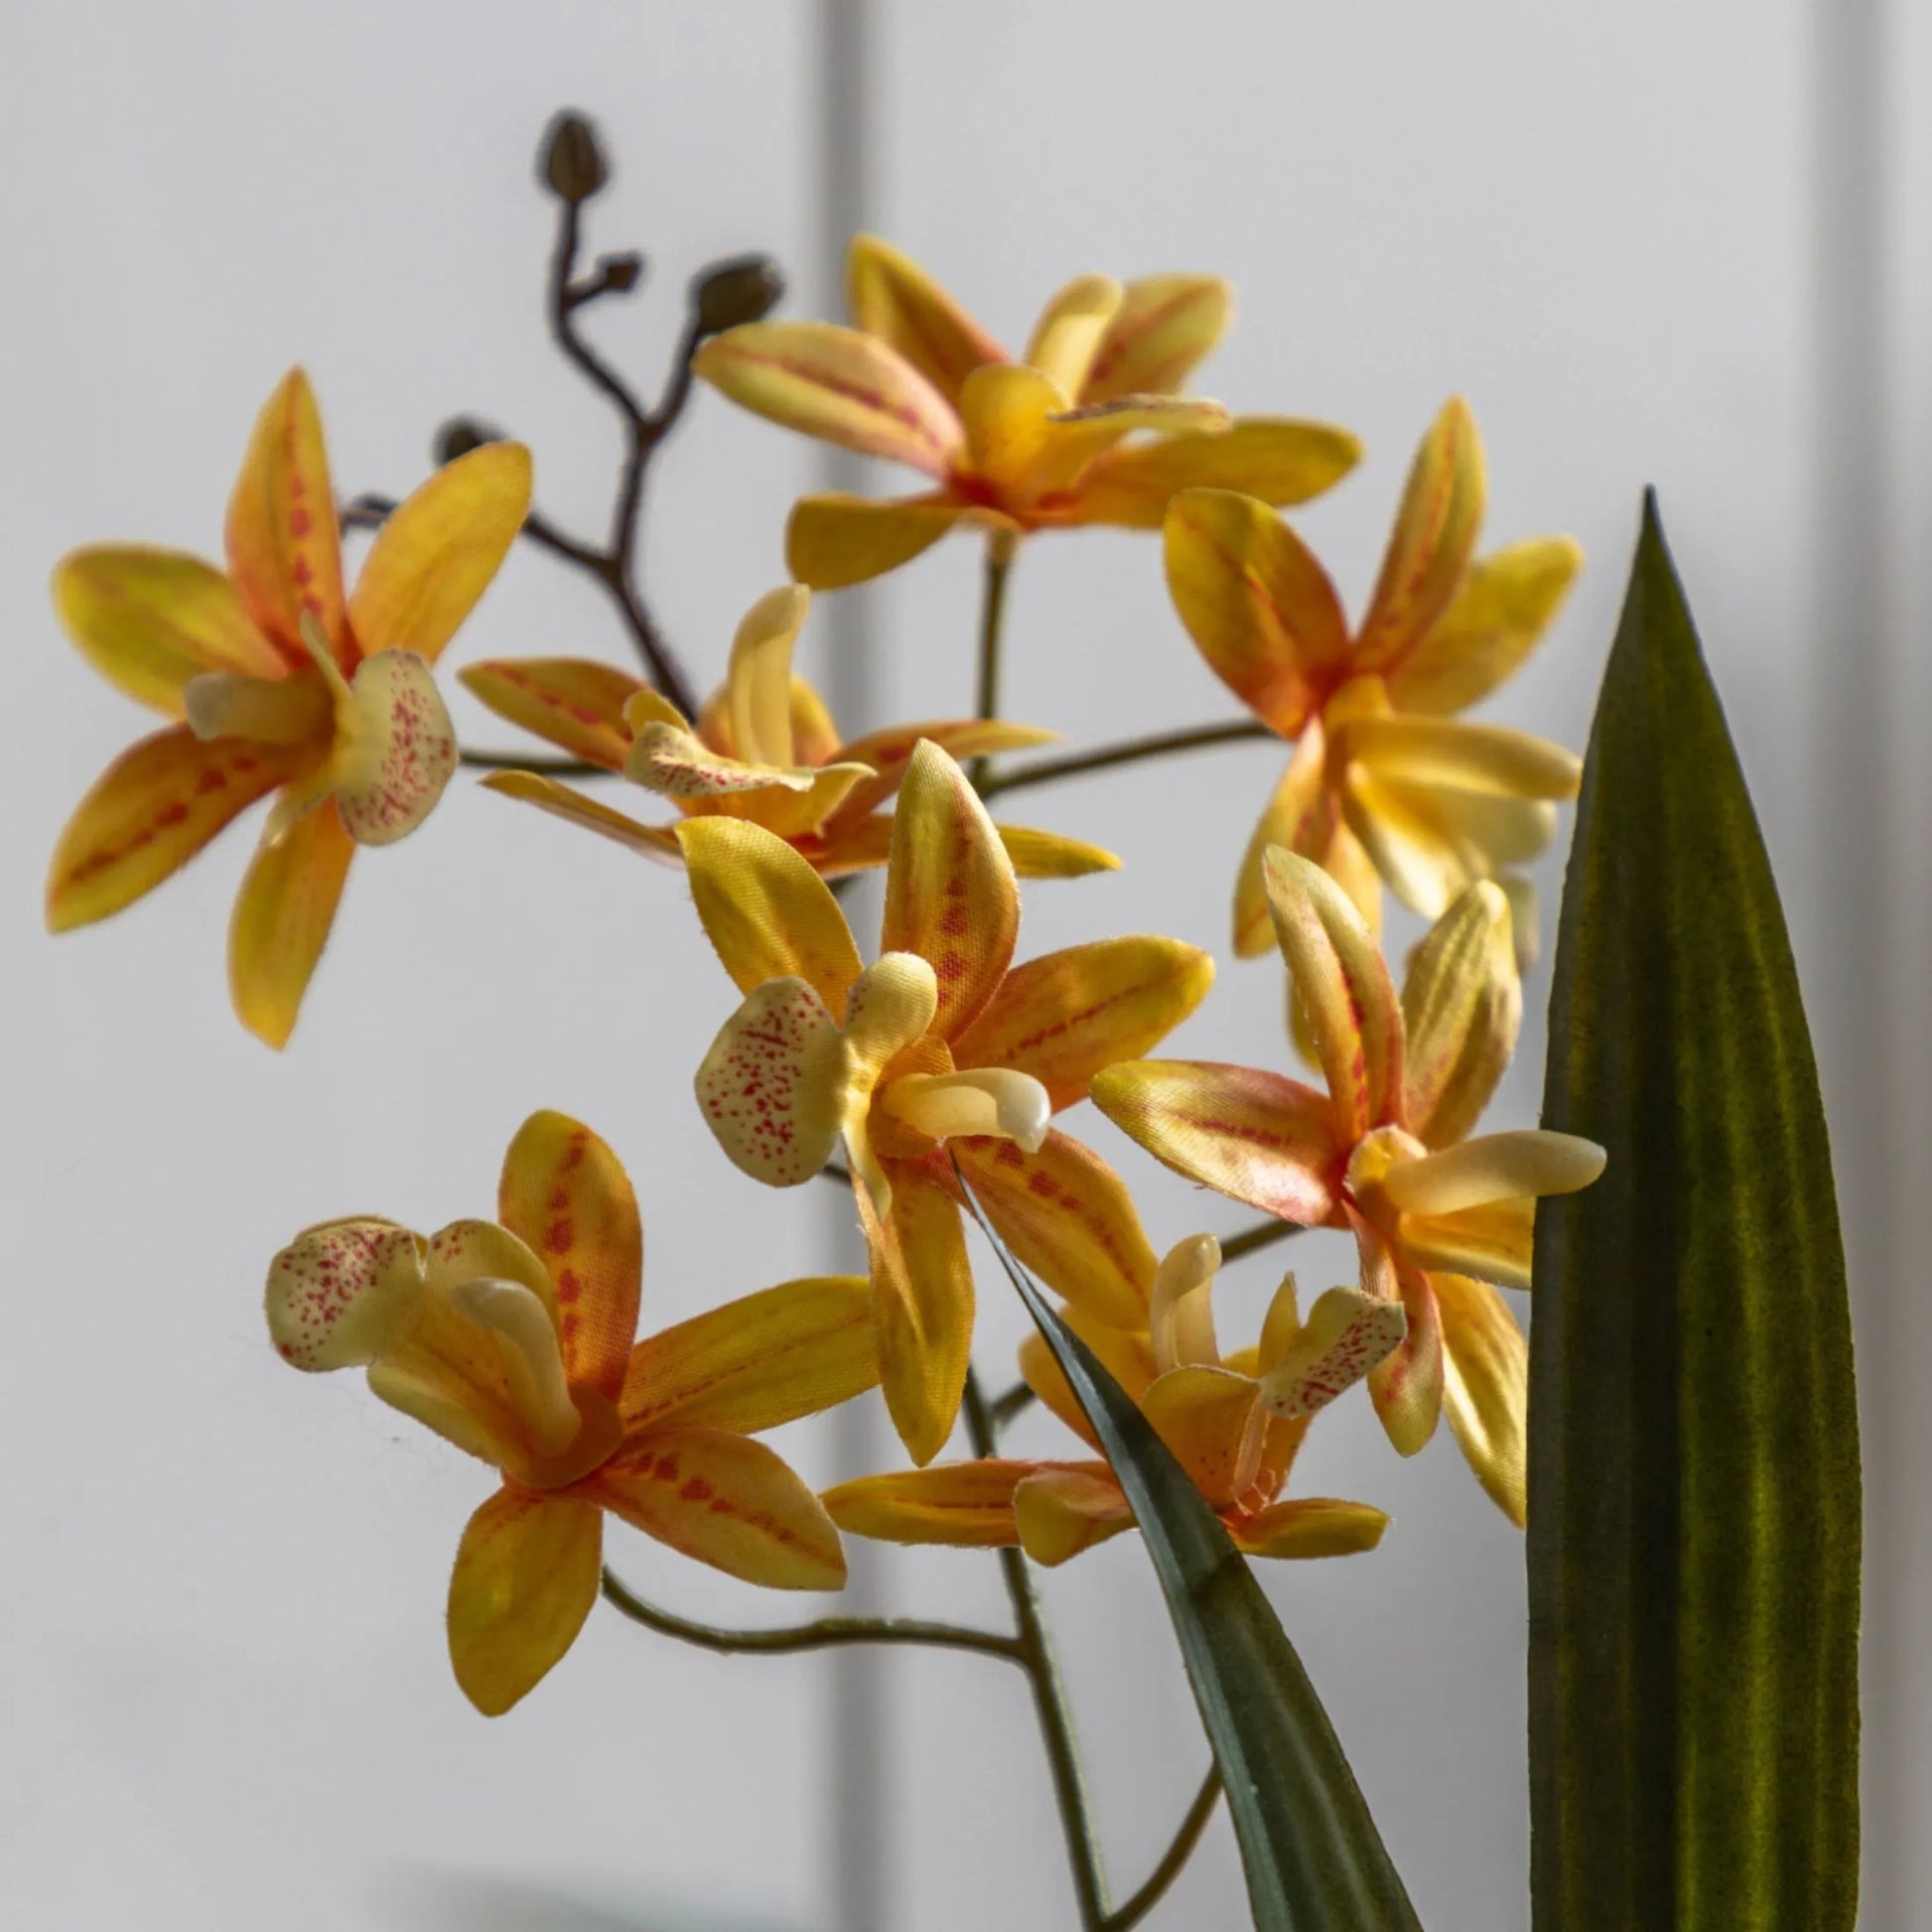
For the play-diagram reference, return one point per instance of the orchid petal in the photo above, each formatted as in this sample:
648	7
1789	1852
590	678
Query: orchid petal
1070	329
1462	1008
1433	541
1343	987
889	296
1051	855
281	920
438	550
574	702
1347	1333
966	1505
344	1293
156	805
950	894
758	1361
1492	1169
395	749
1275	461
659	842
1253	1136
151	619
765	910
1069	1219
1449	751
525	1580
1503	607
1310	1526
725	1500
769	1089
923	1307
1485	1388
836	384
1212	1419
1124	1355
284	547
1300	816
1060	1512
1258	605
833	543
1181	1308
1163	326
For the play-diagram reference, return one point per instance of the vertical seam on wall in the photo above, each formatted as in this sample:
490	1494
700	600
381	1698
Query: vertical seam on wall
1851	780
858	1732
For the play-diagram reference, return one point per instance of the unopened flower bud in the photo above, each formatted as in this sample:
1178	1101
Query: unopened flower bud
573	162
747	288
620	273
461	434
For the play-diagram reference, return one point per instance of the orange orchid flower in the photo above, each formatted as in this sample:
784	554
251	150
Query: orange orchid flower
1439	1218
1385	785
514	1340
1234	1422
279	683
1042	443
764	749
941	1042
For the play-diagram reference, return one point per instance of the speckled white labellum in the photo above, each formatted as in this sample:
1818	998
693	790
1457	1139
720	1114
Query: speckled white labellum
396	749
769	1087
1345	1336
342	1294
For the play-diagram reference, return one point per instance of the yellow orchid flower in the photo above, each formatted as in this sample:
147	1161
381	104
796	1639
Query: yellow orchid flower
1439	1218
1385	785
1234	1422
1042	443
764	749
282	683
514	1340
941	1042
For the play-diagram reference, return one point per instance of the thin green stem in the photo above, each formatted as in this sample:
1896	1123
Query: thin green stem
1004	1408
1263	1234
1129	750
1174	1859
550	767
1050	1696
827	1633
992	610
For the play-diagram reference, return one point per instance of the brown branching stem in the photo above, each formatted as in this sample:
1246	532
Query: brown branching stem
1129	750
1173	1859
551	767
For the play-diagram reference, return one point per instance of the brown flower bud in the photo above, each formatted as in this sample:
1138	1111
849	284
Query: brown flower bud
620	273
461	434
745	288
572	159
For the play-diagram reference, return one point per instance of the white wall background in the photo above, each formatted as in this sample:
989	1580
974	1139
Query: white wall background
222	1670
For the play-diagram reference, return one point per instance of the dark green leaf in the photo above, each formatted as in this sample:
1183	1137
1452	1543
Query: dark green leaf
1693	1458
1312	1858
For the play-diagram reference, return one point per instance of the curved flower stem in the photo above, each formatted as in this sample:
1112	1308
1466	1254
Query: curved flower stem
1173	1860
1129	750
827	1633
1050	1696
548	765
1004	1408
1000	551
1263	1235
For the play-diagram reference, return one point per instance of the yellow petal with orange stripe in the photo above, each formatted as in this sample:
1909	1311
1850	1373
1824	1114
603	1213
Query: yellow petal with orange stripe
1068	1218
1434	539
151	619
149	813
1162	328
1213	1421
725	1500
1070	328
574	702
890	752
1343	986
1462	1008
284	548
566	1196
1052	855
767	912
758	1361
836	384
1253	1136
950	894
437	553
281	918
1125	1354
659	842
1256	602
1063	1016
1505	605
1278	461
966	1505
922	1306
1300	816
525	1580
1061	1512
889	296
